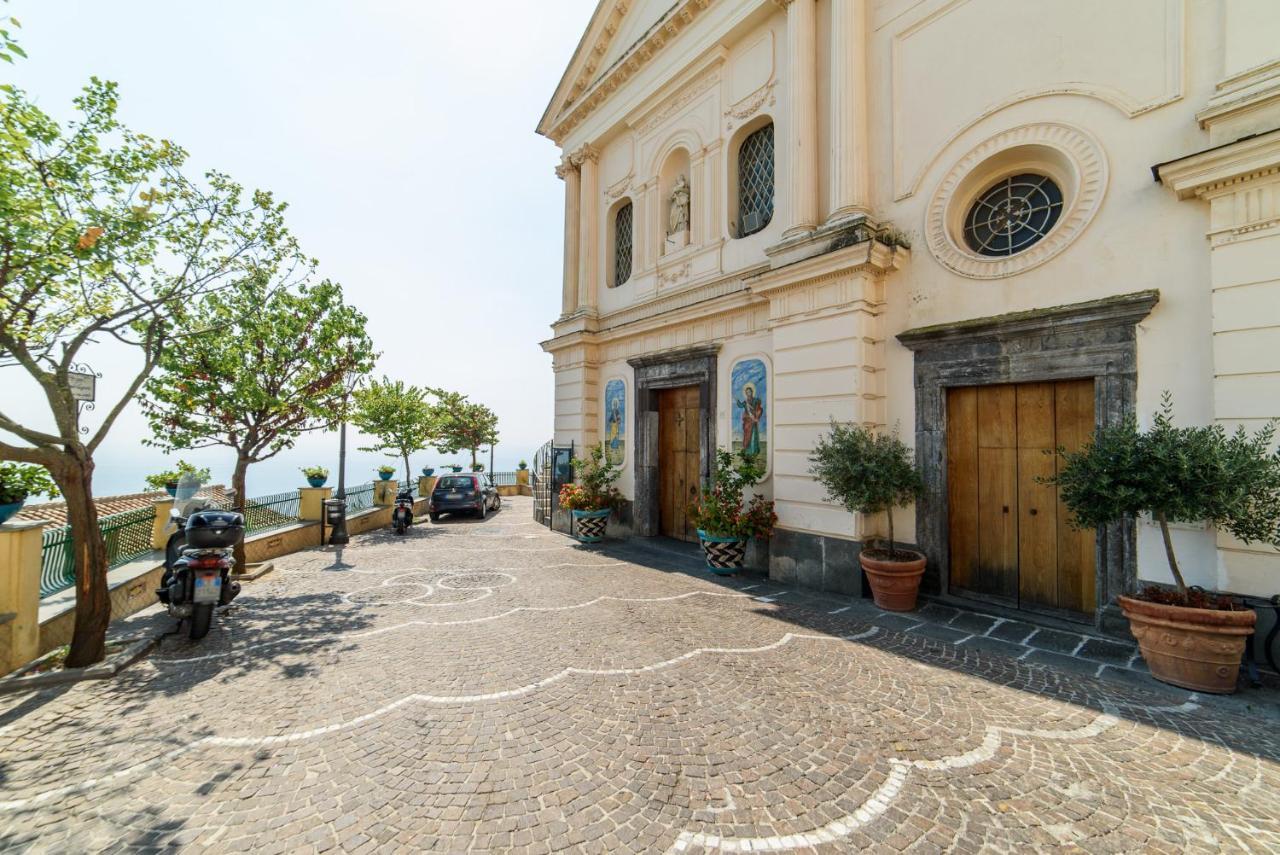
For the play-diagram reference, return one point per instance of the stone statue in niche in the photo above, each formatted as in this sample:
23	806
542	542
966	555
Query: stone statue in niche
679	207
678	227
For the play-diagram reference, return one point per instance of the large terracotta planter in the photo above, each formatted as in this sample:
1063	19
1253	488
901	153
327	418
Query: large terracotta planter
1196	649
894	584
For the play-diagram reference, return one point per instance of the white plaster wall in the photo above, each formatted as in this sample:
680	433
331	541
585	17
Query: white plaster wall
1140	238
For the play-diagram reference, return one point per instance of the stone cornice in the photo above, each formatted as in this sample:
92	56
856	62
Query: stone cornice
1206	172
1125	308
698	351
574	101
870	254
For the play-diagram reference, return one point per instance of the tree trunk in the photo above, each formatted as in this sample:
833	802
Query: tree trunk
1168	552
93	605
237	485
892	550
407	476
473	460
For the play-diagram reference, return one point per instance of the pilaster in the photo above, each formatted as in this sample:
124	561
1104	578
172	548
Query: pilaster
587	159
572	190
20	554
849	160
802	117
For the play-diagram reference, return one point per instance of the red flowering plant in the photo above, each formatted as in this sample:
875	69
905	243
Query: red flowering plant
719	512
592	488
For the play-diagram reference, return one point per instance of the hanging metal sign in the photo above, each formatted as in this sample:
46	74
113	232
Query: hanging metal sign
83	385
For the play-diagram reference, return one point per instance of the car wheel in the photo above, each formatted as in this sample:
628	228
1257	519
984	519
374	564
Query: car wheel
497	503
435	518
484	509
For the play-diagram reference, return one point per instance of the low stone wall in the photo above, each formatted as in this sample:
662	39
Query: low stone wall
138	591
515	490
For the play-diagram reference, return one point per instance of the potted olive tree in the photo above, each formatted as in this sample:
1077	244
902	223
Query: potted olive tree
723	521
315	475
20	480
591	496
870	473
1188	637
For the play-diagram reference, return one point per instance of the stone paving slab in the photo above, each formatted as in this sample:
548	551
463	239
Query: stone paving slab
497	687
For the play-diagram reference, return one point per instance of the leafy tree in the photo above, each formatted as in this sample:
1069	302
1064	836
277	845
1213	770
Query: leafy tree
160	480
867	472
9	47
463	425
399	416
1177	474
102	237
271	368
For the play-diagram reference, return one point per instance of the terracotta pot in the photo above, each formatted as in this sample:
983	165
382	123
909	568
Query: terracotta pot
894	584
1196	649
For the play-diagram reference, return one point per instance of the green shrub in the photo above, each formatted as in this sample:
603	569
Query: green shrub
1176	474
592	487
719	510
20	480
159	480
867	473
315	471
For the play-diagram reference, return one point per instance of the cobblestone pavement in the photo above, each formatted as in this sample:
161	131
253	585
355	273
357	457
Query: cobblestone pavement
494	686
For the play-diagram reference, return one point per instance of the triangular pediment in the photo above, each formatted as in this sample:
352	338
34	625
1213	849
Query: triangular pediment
618	30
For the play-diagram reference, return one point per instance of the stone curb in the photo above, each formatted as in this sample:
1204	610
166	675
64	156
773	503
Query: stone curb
264	568
19	681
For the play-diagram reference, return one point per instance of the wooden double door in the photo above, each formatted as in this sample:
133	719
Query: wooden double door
679	459
1010	538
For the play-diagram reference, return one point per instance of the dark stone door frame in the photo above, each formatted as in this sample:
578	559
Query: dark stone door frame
694	366
1085	340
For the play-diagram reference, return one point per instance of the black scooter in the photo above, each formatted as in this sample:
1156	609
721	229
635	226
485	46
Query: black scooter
198	561
402	515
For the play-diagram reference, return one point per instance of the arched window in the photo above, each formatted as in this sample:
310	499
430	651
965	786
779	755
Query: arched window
755	181
622	245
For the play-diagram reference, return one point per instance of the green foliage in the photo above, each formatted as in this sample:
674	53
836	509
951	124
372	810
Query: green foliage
592	487
866	472
315	471
160	480
399	416
19	480
524	464
463	425
387	469
272	366
719	510
1177	474
9	47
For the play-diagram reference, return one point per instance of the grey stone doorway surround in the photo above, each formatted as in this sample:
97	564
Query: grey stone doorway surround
1095	340
694	366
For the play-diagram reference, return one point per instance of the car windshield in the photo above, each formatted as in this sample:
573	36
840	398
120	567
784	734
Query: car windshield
456	482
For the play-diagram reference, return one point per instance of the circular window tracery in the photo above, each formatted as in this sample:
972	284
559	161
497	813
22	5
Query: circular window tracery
1012	214
1016	200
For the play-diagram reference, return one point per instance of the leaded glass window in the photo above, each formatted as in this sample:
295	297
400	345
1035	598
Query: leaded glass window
1013	214
622	245
755	181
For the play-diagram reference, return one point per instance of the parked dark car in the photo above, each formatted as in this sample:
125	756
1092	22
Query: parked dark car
474	493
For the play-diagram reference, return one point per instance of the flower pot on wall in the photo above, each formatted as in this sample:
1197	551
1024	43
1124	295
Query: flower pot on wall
385	476
171	488
428	471
8	510
317	480
590	525
724	555
1196	649
894	584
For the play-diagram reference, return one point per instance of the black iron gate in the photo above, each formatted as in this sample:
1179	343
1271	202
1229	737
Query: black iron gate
552	468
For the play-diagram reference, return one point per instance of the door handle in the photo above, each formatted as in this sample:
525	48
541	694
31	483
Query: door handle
1005	509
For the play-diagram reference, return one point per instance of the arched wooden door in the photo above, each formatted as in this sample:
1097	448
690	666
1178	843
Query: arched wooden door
679	456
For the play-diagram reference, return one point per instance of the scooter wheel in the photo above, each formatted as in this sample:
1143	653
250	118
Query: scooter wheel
201	619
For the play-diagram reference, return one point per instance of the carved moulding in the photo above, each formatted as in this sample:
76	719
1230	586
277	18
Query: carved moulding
1070	155
750	105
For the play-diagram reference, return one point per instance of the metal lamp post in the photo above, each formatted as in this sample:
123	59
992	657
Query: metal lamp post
337	506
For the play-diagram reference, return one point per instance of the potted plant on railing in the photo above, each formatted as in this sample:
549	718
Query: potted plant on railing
168	480
428	471
18	481
522	465
724	525
385	471
477	467
1188	637
591	497
453	467
316	475
869	473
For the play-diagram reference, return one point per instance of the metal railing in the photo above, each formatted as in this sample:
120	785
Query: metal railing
504	479
127	535
267	512
360	498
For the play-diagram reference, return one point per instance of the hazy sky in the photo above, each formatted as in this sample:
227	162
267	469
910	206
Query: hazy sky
401	134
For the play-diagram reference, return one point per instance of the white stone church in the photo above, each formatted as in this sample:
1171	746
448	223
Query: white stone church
994	224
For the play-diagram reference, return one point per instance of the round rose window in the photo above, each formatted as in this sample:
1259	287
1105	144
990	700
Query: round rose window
1012	214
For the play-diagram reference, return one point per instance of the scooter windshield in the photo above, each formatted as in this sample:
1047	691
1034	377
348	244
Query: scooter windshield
188	486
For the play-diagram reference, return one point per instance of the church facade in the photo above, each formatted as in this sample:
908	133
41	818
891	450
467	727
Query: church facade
989	224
